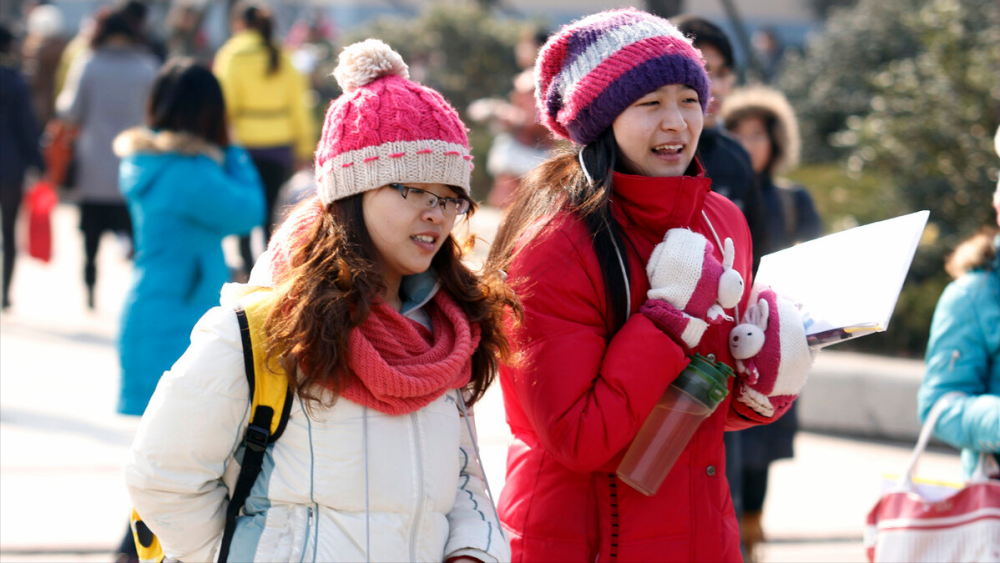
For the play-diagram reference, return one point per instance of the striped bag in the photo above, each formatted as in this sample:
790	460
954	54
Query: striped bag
905	526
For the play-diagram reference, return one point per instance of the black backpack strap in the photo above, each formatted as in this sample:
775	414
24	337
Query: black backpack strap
255	441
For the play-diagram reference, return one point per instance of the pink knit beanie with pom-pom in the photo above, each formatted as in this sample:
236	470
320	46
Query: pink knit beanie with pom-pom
386	128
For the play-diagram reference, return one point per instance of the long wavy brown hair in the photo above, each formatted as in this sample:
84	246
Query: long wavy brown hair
335	277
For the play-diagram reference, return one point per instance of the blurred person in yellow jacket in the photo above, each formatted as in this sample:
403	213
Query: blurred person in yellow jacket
266	104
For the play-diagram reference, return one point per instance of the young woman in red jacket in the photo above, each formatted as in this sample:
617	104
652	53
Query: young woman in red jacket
598	344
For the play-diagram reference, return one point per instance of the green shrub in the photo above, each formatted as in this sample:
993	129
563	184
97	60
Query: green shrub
902	98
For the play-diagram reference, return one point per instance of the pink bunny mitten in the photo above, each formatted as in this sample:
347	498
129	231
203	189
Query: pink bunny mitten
688	287
772	357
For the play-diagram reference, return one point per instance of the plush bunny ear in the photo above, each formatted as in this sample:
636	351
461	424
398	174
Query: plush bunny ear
728	253
763	312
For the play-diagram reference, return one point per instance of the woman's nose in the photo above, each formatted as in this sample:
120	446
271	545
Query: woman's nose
672	119
434	214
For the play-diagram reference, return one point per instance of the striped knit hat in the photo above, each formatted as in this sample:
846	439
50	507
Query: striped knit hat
385	129
592	70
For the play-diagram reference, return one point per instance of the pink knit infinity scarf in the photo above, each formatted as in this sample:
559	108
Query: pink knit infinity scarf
398	366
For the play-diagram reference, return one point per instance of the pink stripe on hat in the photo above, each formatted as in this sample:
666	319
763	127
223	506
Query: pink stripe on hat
588	88
384	114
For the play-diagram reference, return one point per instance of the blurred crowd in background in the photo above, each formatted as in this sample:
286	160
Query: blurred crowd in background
896	100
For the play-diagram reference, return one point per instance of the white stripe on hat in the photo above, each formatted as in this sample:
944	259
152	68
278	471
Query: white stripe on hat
609	43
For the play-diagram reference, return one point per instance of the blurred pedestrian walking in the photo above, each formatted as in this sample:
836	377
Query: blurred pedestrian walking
266	101
137	14
187	187
963	353
19	150
106	92
617	250
41	52
764	123
384	335
77	46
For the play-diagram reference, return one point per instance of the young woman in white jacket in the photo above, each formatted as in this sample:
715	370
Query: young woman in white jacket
389	337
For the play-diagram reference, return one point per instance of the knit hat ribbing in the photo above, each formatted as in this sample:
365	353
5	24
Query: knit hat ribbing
592	70
385	128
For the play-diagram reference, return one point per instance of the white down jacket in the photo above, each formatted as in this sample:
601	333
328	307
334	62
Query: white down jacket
338	483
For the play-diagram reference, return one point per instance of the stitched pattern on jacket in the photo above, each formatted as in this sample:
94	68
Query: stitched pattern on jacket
475	505
614	516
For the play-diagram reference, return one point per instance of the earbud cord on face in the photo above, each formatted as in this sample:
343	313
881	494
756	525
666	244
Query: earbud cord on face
618	252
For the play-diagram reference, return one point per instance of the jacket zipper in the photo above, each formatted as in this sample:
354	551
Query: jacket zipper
305	540
420	488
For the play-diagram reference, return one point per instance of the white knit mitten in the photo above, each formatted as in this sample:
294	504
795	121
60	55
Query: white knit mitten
688	287
772	357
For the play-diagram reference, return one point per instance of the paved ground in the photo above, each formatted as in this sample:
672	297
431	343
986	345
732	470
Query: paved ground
61	445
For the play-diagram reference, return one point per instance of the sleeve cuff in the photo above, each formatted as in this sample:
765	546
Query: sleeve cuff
469	552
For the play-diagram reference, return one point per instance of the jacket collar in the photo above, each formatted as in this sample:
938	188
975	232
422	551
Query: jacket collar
654	205
417	289
246	38
143	140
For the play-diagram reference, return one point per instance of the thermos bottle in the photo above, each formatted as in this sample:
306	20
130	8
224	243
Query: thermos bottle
690	399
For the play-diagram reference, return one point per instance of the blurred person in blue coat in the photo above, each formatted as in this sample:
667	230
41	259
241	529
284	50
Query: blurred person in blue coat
18	150
186	188
963	353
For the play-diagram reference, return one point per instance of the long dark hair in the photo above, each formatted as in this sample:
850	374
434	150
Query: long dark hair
334	280
112	23
560	183
186	97
260	19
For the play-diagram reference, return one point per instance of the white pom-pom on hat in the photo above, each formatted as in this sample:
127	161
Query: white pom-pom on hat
363	63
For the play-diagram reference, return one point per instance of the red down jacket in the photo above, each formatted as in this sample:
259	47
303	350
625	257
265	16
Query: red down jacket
578	397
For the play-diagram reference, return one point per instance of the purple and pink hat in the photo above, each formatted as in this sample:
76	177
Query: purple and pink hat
591	70
385	128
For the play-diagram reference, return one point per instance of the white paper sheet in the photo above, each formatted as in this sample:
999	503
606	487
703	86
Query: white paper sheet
846	283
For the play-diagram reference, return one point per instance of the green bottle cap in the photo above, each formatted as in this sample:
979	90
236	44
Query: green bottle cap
706	380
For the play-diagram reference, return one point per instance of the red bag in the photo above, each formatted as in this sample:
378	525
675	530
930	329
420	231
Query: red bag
905	526
58	143
40	200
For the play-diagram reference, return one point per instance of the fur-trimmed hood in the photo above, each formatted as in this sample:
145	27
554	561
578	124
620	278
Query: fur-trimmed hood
143	140
979	252
760	101
146	156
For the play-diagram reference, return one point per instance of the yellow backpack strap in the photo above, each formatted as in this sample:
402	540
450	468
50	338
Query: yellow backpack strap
268	380
146	544
269	395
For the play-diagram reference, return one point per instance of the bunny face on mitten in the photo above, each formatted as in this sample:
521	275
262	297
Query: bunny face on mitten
772	357
688	287
747	339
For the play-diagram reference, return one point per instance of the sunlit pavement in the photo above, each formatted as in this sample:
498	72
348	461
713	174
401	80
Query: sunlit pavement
62	445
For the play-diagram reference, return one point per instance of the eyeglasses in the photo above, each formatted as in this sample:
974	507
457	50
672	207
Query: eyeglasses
423	199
